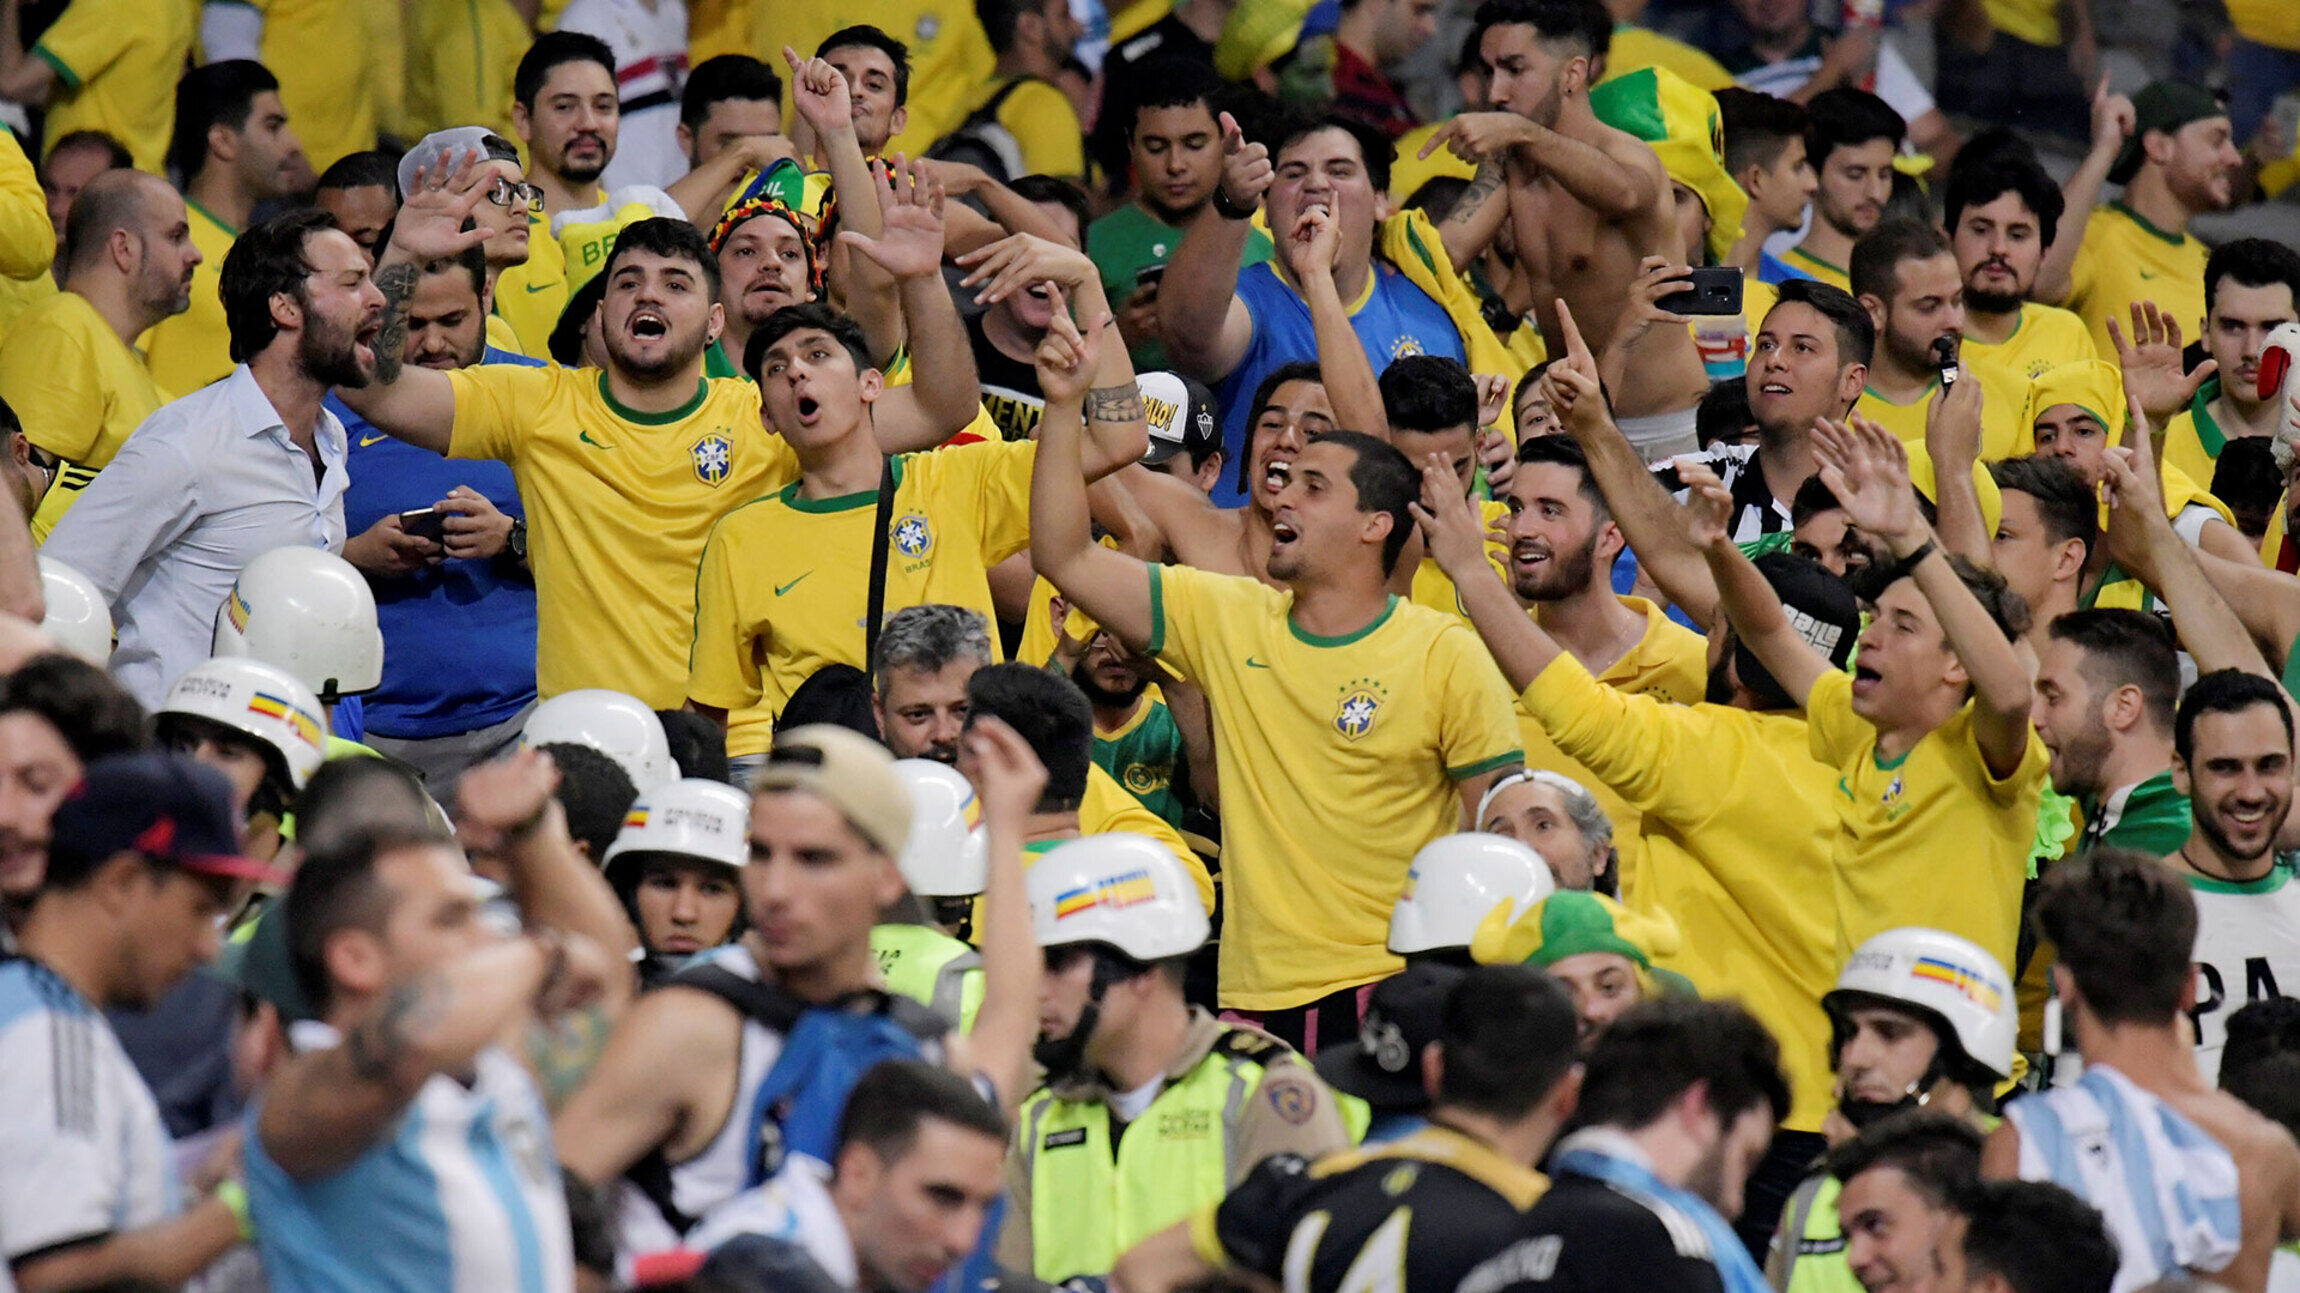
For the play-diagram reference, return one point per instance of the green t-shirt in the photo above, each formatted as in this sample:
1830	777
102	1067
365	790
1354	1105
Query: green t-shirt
1130	238
2154	819
1146	757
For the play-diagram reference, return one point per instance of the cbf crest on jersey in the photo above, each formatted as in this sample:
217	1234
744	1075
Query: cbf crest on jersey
913	537
714	455
1360	707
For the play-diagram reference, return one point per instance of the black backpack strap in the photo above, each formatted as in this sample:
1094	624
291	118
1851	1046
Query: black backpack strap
773	1008
989	110
876	612
651	1176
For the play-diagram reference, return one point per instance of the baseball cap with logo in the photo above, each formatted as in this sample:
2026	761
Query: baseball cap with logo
1402	1018
851	771
168	807
1181	413
2161	106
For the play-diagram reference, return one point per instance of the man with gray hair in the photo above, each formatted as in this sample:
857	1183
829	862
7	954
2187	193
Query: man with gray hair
926	655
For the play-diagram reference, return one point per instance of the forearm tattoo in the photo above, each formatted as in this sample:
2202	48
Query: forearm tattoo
376	1047
1481	187
1114	403
398	283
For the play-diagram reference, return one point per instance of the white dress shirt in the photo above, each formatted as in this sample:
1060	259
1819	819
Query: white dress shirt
203	487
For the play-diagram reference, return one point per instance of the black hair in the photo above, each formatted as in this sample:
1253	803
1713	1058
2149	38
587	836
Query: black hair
810	314
1656	1050
698	745
2125	927
1856	331
2006	608
372	169
2126	648
550	50
94	715
595	793
211	95
1723	413
2252	262
1939	1154
1299	370
2245	476
1060	192
1428	393
336	889
1051	715
2260	1060
728	76
1000	20
471	262
1438	196
2037	1238
2067	506
1171	81
349	796
114	151
1757	127
2007	172
1876	265
1385	482
869	37
1565	451
1848	118
1584	24
1813	498
1374	148
264	262
566	343
891	1100
1508	1036
661	236
2225	691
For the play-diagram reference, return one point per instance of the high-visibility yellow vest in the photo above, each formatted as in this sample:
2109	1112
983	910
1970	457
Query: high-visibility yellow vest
932	969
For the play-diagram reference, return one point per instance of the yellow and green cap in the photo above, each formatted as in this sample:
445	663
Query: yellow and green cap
1569	923
2093	385
1682	123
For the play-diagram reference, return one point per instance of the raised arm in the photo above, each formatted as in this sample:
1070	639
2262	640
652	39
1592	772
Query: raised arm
1953	442
1348	375
413	403
1743	593
324	1108
1613	187
944	393
506	810
1206	326
2151	356
1455	536
1007	1024
23	78
1118	430
1477	215
1110	586
820	94
703	192
1867	468
2113	121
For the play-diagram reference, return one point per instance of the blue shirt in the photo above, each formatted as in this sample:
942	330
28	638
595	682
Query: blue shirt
1395	319
458	637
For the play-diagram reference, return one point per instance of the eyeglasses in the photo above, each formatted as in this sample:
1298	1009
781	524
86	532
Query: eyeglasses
507	192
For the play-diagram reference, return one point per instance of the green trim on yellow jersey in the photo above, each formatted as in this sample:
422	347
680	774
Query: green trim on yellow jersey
1307	638
665	418
2175	239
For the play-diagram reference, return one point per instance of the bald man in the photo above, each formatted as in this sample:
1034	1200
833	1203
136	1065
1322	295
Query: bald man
70	368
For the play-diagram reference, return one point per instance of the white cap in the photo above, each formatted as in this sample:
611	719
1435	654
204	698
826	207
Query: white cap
77	616
944	857
1455	881
311	613
1125	890
616	725
446	148
691	817
1954	979
260	700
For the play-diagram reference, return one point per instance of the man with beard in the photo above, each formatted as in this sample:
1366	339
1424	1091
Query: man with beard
235	151
1136	739
1678	1100
508	202
2002	215
2106	685
457	611
1907	278
2232	758
565	109
1586	201
1205	1100
625	470
2251	286
2172	149
251	463
71	370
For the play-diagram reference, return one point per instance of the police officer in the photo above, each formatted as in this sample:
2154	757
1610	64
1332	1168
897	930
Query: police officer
1919	1018
1152	1108
677	864
311	613
943	864
256	723
1454	883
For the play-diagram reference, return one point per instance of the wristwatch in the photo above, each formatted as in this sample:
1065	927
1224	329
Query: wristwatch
1228	209
516	545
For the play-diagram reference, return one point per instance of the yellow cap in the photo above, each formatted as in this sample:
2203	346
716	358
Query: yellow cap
1682	123
2093	385
1569	923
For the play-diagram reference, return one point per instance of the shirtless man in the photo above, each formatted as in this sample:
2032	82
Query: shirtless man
1587	202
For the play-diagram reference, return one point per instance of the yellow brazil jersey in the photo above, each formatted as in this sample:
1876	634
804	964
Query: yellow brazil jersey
619	504
1930	838
1637	48
461	55
716	27
531	297
1815	267
2004	412
117	63
190	350
784	583
950	57
79	390
1670	663
18	295
1338	758
2266	22
1409	170
319	50
1758	298
2125	259
2194	437
1045	127
1740	828
27	240
1110	807
2034	21
2044	336
1431	586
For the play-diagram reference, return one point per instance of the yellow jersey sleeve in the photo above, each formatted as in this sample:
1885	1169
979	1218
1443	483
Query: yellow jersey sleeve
50	378
1045	126
989	482
2026	775
1836	732
1108	807
1189	610
1633	744
494	406
27	240
87	38
723	663
1477	716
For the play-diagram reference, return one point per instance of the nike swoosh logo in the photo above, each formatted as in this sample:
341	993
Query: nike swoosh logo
780	589
1252	663
585	437
2145	274
366	440
532	288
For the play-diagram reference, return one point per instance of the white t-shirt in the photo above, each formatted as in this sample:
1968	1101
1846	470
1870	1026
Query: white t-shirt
2247	949
1896	81
794	1205
649	40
